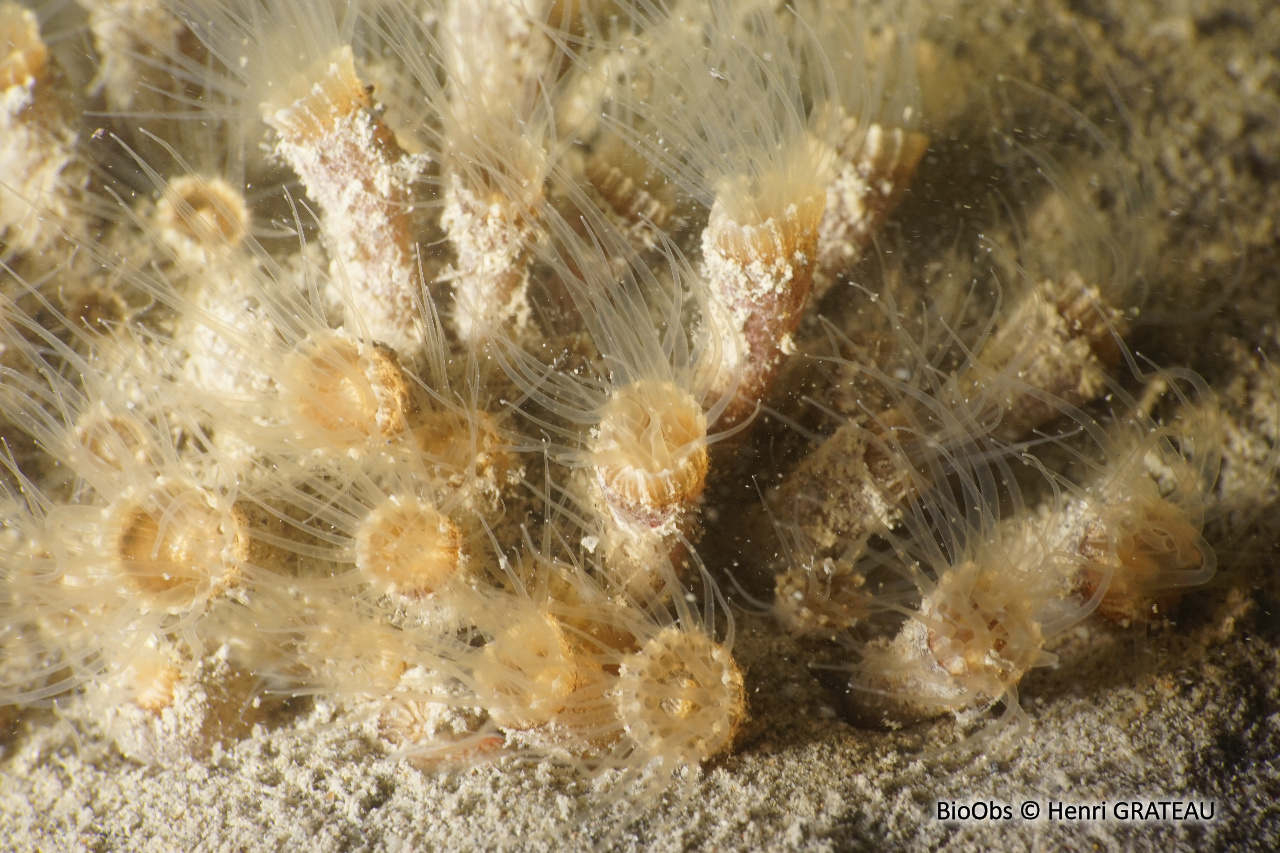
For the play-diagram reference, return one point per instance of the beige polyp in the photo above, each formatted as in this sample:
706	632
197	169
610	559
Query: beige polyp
1060	339
770	252
94	308
206	211
849	488
337	92
206	703
820	602
649	451
39	170
681	696
465	449
636	198
966	648
345	392
980	631
527	671
132	39
408	546
113	440
176	546
23	55
875	170
597	621
490	235
452	734
1134	547
760	272
355	656
362	180
151	678
625	194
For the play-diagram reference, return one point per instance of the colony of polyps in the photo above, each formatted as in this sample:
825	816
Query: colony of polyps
437	441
